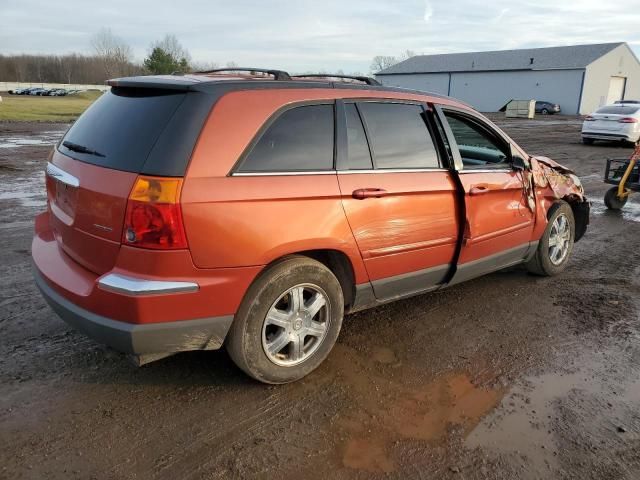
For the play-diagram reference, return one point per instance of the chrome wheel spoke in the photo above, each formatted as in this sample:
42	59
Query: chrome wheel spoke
296	350
282	340
278	318
296	295
316	329
559	239
317	302
553	241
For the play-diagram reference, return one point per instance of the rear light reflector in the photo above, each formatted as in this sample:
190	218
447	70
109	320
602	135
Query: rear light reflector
153	218
628	120
589	119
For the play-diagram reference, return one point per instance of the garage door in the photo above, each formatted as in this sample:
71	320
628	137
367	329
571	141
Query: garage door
616	89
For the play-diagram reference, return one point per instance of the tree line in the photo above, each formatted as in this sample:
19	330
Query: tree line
112	57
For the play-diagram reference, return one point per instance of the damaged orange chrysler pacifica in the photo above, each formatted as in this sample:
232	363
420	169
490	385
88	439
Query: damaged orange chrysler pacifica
253	209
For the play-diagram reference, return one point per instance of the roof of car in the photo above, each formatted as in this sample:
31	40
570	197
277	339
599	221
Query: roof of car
204	82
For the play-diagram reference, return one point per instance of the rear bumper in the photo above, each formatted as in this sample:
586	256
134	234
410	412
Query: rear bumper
630	137
140	340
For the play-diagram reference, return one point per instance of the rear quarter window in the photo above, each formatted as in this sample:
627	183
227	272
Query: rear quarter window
300	139
121	127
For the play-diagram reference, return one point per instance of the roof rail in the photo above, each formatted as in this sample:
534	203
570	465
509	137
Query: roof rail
277	74
368	80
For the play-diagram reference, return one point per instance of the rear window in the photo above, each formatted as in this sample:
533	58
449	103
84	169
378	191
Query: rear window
618	110
120	129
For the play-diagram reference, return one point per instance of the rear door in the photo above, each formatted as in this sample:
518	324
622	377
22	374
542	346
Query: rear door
399	198
94	167
499	217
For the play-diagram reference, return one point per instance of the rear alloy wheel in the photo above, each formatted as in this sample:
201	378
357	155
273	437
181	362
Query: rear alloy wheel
288	321
612	201
555	246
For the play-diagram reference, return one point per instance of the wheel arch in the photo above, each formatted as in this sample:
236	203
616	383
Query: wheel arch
335	260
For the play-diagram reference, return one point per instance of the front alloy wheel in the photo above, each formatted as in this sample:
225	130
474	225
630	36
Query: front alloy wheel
559	239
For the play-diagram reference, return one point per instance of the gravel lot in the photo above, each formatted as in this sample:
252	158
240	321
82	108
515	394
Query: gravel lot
506	376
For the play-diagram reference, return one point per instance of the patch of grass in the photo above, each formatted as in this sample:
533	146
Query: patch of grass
27	108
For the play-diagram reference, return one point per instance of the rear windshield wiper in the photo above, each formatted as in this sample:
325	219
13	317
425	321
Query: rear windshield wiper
81	149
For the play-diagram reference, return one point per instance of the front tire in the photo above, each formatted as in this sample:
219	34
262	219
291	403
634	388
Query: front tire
612	201
544	111
288	321
556	245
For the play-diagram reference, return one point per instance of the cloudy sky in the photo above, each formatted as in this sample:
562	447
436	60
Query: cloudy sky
323	35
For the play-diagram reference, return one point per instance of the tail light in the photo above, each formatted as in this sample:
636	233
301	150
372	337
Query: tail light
589	119
153	218
628	120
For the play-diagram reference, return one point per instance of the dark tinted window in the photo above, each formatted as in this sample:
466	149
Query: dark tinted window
399	136
299	139
358	149
478	148
122	127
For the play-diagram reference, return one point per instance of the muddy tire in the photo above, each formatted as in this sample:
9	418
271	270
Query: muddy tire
556	244
288	321
612	201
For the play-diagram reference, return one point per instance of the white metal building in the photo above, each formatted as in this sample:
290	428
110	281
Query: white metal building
579	78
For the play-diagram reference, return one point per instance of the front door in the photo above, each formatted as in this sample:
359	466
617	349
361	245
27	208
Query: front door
399	200
499	217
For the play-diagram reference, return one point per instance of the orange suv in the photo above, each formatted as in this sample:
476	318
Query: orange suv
253	209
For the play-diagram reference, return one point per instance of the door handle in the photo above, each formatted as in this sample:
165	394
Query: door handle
479	190
362	193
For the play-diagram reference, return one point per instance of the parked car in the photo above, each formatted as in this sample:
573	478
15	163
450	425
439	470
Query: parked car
22	91
619	122
546	108
189	212
36	91
56	92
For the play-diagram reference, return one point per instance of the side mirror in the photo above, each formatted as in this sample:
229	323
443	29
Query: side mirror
518	163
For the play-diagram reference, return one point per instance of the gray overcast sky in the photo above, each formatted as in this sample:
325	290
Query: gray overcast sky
316	35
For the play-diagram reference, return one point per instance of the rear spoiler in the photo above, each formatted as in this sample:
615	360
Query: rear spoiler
165	82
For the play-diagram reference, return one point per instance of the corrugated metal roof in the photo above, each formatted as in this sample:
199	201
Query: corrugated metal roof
576	56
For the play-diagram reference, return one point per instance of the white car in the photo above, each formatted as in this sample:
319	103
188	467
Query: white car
613	122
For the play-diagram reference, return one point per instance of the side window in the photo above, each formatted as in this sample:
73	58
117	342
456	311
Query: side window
478	148
399	136
359	157
300	139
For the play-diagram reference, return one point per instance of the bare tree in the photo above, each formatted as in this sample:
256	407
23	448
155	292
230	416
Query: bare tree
380	62
116	55
173	47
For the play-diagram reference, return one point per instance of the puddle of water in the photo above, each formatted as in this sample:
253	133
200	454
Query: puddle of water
524	423
631	211
28	191
396	412
368	456
41	138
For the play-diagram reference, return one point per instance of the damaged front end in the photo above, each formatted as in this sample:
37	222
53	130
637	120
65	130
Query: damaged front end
554	182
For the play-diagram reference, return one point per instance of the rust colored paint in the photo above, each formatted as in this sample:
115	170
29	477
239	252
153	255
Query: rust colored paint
412	227
499	216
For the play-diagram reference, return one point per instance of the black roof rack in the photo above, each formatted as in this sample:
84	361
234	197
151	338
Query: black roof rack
367	80
277	74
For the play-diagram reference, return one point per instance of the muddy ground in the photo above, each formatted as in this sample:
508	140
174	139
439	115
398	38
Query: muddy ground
507	376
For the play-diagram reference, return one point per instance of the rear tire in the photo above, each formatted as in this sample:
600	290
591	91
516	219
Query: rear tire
544	111
587	141
288	321
556	245
612	201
